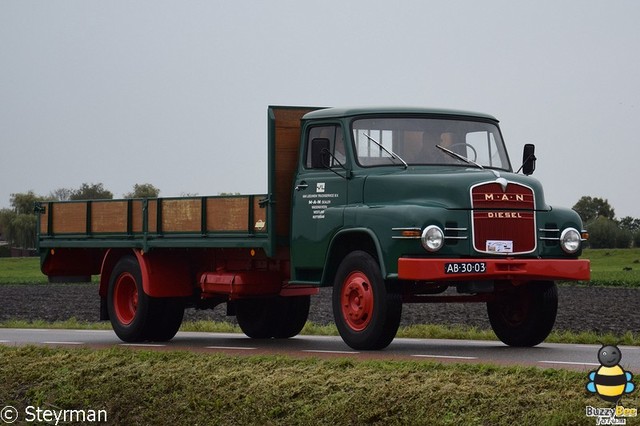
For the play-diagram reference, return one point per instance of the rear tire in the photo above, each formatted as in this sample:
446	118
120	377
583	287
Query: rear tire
278	317
169	313
291	316
366	312
136	316
524	316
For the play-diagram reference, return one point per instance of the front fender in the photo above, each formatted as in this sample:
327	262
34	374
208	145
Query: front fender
347	240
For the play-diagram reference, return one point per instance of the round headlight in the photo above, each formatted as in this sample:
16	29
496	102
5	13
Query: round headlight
570	240
432	238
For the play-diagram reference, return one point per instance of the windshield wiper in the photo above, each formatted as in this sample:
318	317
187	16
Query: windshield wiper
459	157
391	153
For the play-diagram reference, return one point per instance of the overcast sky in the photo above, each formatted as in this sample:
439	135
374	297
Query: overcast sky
175	93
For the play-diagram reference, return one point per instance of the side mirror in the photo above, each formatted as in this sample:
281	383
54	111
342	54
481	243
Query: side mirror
528	159
320	153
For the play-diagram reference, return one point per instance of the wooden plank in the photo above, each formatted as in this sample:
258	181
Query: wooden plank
291	116
288	161
288	139
109	216
136	216
69	218
44	221
287	144
152	223
184	215
227	214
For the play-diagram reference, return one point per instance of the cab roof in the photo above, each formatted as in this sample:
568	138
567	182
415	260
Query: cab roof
391	110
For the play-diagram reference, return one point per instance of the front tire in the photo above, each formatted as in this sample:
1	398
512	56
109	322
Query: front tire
524	316
366	312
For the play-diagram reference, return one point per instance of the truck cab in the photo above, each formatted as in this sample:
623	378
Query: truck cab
426	201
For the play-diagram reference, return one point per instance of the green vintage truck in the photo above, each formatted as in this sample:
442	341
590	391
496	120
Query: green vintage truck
385	205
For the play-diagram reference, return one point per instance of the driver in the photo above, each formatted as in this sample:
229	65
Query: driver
420	147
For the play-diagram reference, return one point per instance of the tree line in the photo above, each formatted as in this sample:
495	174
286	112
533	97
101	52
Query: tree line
605	230
18	223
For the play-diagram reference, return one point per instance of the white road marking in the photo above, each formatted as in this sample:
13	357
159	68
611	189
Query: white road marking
143	345
329	352
445	356
569	363
233	348
63	343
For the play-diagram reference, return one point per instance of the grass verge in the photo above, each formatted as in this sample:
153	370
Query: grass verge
142	387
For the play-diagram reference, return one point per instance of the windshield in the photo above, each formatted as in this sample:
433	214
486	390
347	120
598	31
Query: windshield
415	141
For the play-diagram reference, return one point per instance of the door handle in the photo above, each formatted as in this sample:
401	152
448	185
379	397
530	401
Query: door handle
302	186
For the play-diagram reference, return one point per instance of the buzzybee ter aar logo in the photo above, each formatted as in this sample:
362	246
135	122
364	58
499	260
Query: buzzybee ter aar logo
610	381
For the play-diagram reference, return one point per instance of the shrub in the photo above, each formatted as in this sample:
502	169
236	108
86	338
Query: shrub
603	233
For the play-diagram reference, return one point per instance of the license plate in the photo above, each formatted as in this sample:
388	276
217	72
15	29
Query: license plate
465	268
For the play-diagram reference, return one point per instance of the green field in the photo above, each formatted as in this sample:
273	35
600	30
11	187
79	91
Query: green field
610	267
21	270
614	267
143	387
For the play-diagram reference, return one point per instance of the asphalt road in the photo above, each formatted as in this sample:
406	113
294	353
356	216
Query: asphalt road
546	355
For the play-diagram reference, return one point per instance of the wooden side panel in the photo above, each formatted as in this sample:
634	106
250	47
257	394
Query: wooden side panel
109	216
227	214
287	134
181	215
121	218
69	218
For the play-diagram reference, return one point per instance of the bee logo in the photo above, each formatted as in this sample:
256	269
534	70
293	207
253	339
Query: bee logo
610	381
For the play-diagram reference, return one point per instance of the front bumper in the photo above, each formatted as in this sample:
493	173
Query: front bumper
420	269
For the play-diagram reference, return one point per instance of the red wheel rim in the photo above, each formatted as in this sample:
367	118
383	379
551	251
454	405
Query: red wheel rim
515	311
125	298
356	300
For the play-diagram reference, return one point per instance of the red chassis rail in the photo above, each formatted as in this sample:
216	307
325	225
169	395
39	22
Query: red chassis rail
509	268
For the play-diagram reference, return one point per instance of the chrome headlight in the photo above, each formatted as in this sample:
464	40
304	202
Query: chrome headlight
570	240
432	238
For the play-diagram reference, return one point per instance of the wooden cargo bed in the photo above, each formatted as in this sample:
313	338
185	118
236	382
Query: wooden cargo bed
144	223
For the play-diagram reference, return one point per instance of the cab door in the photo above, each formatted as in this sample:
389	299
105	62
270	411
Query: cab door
319	198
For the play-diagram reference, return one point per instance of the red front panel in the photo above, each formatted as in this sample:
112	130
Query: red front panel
486	269
504	220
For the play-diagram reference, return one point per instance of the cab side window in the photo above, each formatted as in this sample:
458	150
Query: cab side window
333	133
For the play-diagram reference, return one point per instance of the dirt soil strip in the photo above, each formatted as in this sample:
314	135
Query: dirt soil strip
597	309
